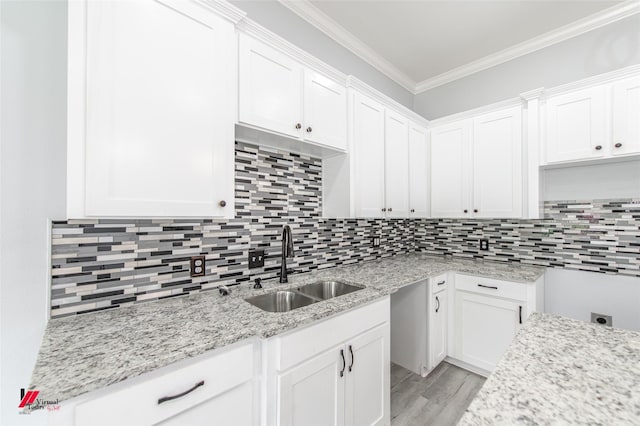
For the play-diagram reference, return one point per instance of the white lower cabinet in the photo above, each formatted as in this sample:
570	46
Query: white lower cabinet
313	392
438	328
217	388
333	373
367	383
488	314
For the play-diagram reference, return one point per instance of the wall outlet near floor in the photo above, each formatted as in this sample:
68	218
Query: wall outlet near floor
256	259
484	244
602	319
375	241
197	266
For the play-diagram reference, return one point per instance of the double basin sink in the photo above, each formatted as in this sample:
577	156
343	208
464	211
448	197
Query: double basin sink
287	300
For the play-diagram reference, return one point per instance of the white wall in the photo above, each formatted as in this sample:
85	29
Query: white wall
576	294
277	18
605	49
32	182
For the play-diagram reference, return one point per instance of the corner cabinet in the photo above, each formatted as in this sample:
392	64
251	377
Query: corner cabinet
418	172
278	95
336	372
488	313
389	167
476	167
150	123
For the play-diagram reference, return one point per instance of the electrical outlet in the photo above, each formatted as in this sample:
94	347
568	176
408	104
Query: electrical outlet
197	266
602	319
375	241
484	244
256	259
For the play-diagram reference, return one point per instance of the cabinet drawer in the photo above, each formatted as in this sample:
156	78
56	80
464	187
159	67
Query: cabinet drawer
138	403
438	283
492	287
303	344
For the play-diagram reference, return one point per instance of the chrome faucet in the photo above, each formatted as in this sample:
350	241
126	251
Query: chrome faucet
287	251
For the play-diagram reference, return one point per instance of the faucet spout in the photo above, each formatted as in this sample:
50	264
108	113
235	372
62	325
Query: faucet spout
287	251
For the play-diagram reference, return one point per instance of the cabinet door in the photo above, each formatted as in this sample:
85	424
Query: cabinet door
313	392
233	407
485	327
270	88
325	111
418	172
368	157
368	379
450	170
438	328
576	128
497	164
626	117
159	129
396	169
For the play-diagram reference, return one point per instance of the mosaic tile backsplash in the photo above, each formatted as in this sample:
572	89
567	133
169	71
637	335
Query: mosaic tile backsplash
106	263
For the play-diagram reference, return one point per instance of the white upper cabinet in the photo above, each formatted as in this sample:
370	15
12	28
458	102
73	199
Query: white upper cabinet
476	167
396	165
576	127
497	164
626	117
450	170
368	182
325	111
270	88
418	171
158	137
277	94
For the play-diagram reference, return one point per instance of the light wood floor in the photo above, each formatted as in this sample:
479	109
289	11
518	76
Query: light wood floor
439	399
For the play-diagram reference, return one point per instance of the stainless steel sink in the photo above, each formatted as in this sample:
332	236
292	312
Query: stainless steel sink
280	301
324	290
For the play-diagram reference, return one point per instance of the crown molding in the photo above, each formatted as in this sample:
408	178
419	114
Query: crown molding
364	88
608	77
331	28
532	94
485	109
257	31
224	8
591	22
337	32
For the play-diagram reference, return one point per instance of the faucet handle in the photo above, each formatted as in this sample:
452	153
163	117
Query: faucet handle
257	283
224	290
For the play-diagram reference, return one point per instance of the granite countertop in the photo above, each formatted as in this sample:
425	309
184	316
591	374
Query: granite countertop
90	351
563	371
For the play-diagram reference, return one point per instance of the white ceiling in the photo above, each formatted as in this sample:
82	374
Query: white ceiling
416	41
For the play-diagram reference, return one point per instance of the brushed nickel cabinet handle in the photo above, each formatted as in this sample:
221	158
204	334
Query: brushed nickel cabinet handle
618	145
598	147
298	126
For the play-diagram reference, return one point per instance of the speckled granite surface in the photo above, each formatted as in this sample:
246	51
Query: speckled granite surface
562	371
87	352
